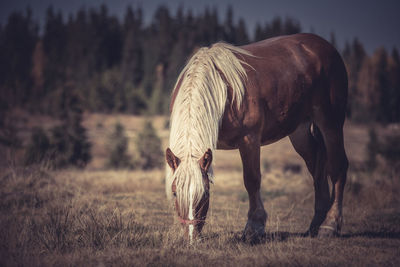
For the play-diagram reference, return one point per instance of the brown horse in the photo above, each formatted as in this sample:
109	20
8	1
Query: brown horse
244	97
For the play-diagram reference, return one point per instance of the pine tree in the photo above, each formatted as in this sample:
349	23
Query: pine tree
259	33
132	55
158	43
17	43
70	143
177	61
107	38
38	60
383	85
394	79
81	56
54	48
241	33
365	98
354	56
229	28
291	26
163	30
274	28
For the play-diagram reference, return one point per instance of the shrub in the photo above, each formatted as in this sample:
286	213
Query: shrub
388	147
71	144
390	150
8	129
68	144
118	144
39	147
148	148
372	150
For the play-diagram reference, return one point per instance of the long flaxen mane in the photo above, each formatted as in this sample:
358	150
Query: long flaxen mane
197	112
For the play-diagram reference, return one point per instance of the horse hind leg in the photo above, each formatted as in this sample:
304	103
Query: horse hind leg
330	119
336	168
328	113
310	146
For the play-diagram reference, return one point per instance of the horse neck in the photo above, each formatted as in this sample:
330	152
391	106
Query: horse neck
200	98
195	120
192	135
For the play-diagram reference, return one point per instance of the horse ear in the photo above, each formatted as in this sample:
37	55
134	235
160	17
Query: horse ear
205	161
172	160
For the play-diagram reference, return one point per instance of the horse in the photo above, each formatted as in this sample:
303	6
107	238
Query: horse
229	97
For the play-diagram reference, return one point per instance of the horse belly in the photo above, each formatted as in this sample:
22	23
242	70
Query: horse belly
274	132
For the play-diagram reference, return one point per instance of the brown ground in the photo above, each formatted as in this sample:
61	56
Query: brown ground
98	217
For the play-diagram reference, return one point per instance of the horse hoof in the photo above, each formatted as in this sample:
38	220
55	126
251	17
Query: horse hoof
254	233
327	232
312	232
254	239
309	233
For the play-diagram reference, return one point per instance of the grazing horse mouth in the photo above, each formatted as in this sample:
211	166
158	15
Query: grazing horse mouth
193	229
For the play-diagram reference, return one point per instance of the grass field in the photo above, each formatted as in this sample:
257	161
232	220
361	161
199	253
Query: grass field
99	217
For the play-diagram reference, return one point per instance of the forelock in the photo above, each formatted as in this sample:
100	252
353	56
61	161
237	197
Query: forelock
189	185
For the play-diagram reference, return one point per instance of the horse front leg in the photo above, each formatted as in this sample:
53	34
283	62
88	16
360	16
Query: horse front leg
254	231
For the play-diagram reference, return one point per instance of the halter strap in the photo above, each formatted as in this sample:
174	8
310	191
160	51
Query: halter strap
188	221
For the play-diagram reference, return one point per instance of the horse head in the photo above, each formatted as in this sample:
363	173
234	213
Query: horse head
190	190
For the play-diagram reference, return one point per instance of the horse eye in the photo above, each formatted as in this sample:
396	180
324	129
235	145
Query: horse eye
174	194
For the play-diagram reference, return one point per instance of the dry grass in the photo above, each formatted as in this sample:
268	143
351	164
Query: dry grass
99	217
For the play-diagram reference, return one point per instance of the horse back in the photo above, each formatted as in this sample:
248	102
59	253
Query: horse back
287	76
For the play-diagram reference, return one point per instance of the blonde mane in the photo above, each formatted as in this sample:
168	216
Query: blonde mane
197	112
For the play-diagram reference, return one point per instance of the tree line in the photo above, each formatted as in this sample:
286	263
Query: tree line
124	65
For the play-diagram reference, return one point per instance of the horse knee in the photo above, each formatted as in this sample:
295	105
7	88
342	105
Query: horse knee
252	182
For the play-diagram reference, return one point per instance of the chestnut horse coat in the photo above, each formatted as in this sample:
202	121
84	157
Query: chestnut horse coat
292	86
288	79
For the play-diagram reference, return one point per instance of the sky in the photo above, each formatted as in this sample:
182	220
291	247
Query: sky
374	22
